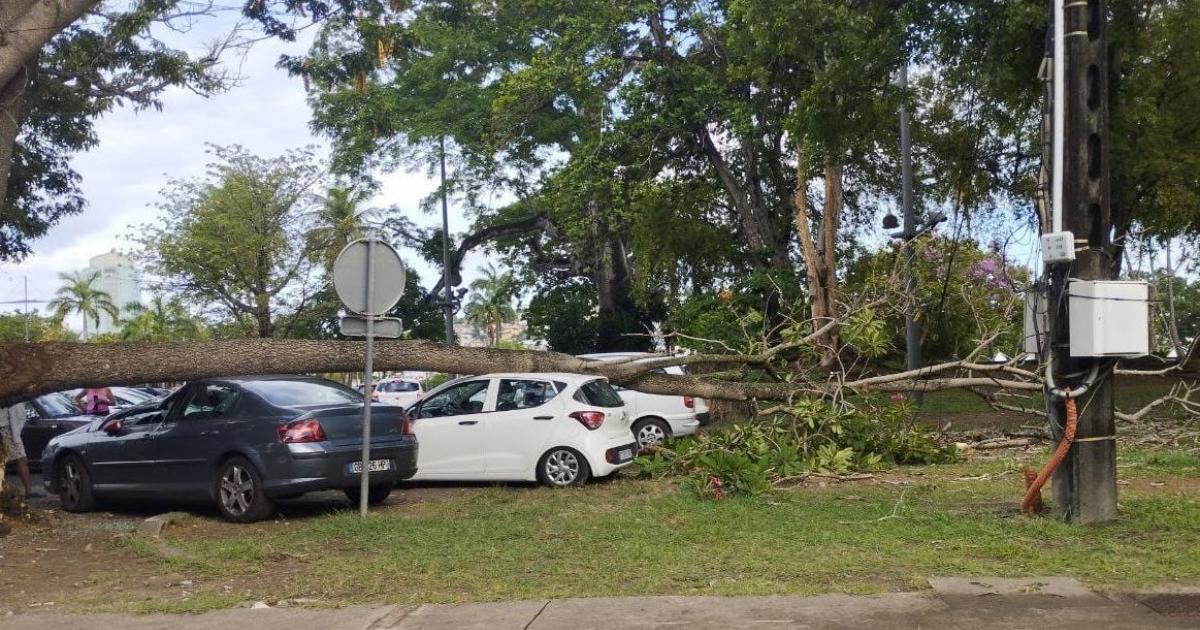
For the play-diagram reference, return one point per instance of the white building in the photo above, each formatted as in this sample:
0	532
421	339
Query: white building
120	279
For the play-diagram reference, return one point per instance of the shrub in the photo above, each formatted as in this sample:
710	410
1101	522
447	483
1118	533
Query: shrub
810	436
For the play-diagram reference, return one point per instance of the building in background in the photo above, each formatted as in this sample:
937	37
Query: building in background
120	279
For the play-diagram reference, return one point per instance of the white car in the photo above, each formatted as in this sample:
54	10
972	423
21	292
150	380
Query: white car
658	417
559	429
401	392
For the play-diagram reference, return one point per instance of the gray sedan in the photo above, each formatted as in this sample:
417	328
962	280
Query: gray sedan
239	442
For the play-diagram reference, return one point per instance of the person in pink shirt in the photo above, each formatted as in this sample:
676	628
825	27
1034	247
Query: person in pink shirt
95	400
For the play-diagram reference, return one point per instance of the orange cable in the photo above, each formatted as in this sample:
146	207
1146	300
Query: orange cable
1033	495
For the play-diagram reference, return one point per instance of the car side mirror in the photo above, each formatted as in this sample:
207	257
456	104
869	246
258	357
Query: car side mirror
114	428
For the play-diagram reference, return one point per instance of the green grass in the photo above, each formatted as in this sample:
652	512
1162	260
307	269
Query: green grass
640	537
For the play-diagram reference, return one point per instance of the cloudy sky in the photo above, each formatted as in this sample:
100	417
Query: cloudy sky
140	151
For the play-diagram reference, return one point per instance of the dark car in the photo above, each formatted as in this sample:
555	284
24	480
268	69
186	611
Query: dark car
241	442
49	416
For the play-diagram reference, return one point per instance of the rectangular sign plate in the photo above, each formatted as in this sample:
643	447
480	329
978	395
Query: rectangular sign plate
355	326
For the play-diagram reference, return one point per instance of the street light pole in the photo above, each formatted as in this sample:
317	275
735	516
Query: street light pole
912	332
447	304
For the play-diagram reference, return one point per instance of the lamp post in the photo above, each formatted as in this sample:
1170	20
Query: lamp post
447	301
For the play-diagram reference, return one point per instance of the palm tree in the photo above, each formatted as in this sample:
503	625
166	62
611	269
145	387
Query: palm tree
339	220
79	294
162	320
491	304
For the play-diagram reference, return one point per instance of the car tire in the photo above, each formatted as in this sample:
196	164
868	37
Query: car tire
239	491
375	494
562	467
650	431
75	485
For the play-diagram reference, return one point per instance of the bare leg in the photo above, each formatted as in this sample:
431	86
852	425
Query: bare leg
23	473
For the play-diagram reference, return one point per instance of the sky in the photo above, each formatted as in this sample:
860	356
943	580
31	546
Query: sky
140	151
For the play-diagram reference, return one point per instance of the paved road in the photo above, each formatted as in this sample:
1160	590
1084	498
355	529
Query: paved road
975	604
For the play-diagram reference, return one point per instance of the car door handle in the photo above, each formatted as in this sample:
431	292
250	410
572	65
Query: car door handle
543	417
467	422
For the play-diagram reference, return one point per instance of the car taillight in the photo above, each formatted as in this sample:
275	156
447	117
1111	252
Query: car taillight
406	426
689	402
590	419
301	431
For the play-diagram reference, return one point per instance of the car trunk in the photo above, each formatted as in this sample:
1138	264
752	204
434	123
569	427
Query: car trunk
343	424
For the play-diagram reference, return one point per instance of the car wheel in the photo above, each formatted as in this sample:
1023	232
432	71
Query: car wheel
240	494
562	467
375	494
75	485
651	432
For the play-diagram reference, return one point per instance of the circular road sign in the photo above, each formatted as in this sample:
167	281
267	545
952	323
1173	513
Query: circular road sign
350	277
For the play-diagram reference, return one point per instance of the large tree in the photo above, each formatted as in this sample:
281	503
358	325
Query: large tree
64	63
80	295
246	240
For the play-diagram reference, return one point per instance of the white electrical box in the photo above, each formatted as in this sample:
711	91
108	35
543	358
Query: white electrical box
1109	318
1058	247
1037	322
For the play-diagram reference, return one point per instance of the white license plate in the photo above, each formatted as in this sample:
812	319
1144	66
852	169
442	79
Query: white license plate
625	454
375	465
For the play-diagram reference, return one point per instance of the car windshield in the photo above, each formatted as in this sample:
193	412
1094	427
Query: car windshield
304	393
58	406
601	394
399	386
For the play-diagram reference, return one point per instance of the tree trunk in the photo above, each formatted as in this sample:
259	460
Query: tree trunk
25	27
820	261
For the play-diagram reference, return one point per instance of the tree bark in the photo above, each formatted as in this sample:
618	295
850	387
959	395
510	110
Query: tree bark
820	262
30	370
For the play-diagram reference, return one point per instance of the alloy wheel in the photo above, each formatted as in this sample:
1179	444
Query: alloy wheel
237	490
650	434
71	483
562	468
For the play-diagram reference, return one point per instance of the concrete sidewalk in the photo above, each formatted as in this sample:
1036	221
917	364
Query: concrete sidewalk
1060	604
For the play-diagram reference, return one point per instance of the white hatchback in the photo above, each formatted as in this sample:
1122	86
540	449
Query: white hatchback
401	392
657	417
556	428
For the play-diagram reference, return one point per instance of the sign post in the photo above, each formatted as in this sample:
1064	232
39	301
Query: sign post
369	278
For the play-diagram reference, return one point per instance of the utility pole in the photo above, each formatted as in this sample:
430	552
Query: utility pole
912	332
1084	485
447	304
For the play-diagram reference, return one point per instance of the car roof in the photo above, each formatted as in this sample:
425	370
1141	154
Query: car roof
569	377
262	377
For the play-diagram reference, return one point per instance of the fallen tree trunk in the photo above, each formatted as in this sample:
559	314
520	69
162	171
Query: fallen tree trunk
28	370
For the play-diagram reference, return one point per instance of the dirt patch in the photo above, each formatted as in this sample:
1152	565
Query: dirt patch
55	557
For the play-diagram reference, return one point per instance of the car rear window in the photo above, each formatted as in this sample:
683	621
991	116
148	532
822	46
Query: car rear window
399	386
304	393
599	393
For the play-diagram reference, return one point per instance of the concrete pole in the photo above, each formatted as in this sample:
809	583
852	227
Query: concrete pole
1085	485
912	332
447	305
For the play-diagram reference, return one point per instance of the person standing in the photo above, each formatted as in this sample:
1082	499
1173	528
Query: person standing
12	420
95	400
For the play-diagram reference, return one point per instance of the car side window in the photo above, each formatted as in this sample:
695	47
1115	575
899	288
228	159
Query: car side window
523	394
144	420
210	401
458	400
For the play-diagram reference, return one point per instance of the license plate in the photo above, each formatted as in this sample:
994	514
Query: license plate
625	454
375	465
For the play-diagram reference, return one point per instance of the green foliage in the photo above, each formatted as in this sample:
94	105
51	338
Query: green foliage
41	328
964	294
811	436
565	317
115	56
490	305
240	241
78	294
164	319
